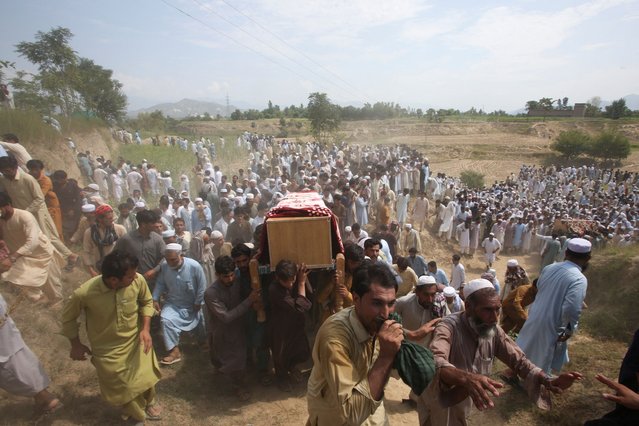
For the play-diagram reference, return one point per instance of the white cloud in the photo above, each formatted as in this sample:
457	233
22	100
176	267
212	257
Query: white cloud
420	30
503	30
594	46
218	88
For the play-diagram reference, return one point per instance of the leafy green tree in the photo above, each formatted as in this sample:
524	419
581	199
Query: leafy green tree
28	93
610	146
5	65
323	115
101	94
545	103
236	115
618	109
572	143
56	61
532	105
472	179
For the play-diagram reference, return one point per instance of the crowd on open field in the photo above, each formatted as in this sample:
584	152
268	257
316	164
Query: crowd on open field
182	264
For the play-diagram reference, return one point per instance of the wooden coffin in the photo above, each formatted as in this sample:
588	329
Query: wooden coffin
301	240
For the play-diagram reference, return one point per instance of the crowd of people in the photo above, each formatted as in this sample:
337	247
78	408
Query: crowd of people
182	267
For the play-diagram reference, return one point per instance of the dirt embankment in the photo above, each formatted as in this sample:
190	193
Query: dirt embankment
57	155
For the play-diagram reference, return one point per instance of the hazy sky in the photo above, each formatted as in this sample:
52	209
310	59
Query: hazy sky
441	54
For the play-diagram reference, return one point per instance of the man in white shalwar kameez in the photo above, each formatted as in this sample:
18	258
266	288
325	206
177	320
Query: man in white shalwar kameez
100	176
554	315
20	371
446	216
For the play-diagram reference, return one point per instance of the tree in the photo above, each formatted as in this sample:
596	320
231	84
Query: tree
5	65
532	105
66	83
610	146
323	115
236	115
572	143
472	179
618	109
100	94
56	61
545	103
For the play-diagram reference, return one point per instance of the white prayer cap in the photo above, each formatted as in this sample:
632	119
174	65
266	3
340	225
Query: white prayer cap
252	181
512	263
199	200
134	168
425	279
579	245
167	173
250	196
449	291
168	233
173	247
88	208
216	234
93	186
347	229
477	284
144	160
250	245
140	205
491	234
224	190
239	191
408	226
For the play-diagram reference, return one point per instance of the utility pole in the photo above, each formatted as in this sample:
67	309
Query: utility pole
228	108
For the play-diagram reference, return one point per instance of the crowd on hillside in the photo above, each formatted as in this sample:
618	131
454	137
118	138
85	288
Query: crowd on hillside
183	266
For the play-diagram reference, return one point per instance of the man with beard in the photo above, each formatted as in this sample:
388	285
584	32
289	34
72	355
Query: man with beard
554	316
182	282
100	238
465	346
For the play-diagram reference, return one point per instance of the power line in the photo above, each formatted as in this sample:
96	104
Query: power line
211	10
233	40
291	46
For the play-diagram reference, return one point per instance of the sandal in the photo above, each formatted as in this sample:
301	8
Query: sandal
71	263
170	359
153	412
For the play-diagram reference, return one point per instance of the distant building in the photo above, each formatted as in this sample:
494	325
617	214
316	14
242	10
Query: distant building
579	110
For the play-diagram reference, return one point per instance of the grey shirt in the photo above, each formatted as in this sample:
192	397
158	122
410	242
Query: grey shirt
149	251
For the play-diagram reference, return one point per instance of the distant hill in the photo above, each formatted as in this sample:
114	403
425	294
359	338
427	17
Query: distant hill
186	108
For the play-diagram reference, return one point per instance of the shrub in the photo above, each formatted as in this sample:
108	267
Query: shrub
472	179
572	143
610	146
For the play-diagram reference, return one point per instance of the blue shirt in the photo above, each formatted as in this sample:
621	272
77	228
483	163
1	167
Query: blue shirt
184	287
440	276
